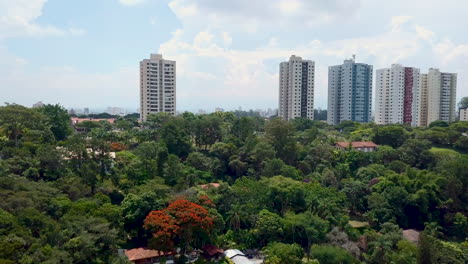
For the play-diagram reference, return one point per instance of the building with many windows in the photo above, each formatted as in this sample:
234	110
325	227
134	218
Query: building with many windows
157	86
438	97
397	97
349	92
296	88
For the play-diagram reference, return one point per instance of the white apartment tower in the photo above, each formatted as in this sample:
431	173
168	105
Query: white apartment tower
349	92
157	86
296	88
438	97
397	99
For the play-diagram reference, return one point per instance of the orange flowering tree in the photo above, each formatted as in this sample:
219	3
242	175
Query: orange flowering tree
180	224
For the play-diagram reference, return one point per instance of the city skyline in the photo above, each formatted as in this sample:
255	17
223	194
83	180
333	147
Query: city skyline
227	57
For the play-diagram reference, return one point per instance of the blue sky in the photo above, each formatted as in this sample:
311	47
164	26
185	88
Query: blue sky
86	53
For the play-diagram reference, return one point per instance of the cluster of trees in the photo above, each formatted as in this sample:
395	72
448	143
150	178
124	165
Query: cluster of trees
281	187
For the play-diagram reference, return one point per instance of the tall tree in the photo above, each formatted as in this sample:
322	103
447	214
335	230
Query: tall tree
58	120
280	135
179	224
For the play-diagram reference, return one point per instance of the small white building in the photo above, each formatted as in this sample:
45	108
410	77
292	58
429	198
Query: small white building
463	114
237	256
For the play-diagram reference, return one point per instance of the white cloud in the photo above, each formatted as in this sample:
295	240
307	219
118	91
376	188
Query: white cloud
227	39
424	33
237	76
250	15
448	52
289	7
131	2
398	21
17	18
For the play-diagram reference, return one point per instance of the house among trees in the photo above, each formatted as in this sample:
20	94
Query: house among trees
363	146
237	256
147	256
212	252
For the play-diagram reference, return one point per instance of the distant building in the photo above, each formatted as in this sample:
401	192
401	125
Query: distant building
349	92
296	88
363	146
212	253
219	109
115	111
438	97
237	256
86	111
157	86
77	120
148	256
397	99
38	104
463	114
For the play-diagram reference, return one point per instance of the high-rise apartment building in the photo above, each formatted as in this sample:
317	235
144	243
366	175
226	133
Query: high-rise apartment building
438	97
349	92
296	88
397	99
157	86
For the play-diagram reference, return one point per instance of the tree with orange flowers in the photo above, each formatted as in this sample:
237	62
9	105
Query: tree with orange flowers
181	224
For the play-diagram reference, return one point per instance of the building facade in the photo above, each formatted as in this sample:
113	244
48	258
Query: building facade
157	86
463	114
296	88
397	99
437	97
349	92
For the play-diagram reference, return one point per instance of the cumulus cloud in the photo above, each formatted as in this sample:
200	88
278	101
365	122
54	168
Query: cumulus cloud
237	75
424	33
250	15
398	21
17	18
131	2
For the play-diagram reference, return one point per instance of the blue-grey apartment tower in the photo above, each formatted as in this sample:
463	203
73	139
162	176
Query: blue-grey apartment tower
349	92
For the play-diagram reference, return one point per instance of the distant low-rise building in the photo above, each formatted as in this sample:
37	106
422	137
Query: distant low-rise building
363	146
463	114
237	256
77	120
148	256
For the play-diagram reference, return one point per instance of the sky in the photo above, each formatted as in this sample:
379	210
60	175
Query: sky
86	53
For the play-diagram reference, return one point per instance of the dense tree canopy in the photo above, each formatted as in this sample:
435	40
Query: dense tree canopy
234	180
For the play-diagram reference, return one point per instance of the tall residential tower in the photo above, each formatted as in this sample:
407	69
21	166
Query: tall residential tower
438	97
397	99
157	86
349	92
296	88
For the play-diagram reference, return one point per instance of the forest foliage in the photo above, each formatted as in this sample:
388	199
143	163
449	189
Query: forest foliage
281	187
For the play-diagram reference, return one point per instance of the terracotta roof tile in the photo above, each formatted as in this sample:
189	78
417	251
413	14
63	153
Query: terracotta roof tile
144	253
357	144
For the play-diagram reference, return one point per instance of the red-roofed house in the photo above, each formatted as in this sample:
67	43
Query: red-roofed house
364	146
147	256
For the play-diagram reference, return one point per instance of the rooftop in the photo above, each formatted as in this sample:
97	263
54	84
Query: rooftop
144	253
357	144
